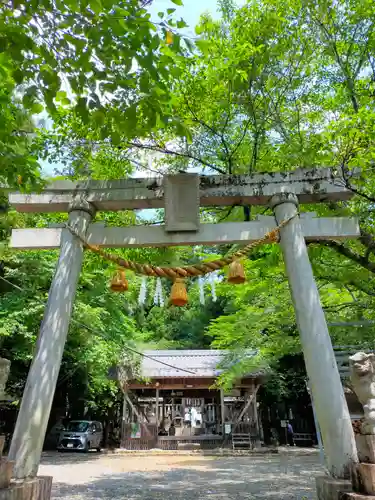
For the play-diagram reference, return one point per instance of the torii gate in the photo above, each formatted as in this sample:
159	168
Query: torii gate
181	195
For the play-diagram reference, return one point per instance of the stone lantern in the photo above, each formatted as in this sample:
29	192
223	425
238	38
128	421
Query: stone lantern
4	374
6	467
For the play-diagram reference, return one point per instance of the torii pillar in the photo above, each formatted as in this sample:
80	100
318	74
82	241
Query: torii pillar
29	433
326	387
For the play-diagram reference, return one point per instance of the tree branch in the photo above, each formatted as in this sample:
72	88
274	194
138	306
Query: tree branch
348	78
214	132
234	150
359	286
227	214
369	242
346	252
339	307
346	177
161	149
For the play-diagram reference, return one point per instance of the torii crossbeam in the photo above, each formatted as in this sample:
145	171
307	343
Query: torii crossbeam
181	196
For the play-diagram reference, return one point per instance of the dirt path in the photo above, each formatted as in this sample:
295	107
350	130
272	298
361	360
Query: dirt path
112	477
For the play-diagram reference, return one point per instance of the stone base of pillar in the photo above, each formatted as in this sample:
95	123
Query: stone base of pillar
355	496
38	488
329	488
6	466
6	471
366	447
364	479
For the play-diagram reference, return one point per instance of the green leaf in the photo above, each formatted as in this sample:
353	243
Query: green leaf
161	15
170	11
121	12
177	2
32	91
181	24
28	101
81	109
99	117
60	95
36	108
204	46
189	44
115	138
131	114
155	42
96	6
18	76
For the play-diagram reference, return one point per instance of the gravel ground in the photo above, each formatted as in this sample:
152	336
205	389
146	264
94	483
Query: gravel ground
287	476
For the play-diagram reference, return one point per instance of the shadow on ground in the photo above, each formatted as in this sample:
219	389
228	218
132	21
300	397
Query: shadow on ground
70	458
281	478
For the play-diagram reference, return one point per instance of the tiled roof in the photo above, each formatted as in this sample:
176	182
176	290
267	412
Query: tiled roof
202	363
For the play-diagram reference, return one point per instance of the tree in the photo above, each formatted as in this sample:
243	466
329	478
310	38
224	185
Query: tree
104	62
271	89
106	327
279	87
268	87
266	90
99	334
18	159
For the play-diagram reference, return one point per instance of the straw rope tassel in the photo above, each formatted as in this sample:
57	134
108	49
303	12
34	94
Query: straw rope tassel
178	293
236	273
119	283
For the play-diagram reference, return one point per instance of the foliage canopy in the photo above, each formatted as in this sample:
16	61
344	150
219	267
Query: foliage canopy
270	86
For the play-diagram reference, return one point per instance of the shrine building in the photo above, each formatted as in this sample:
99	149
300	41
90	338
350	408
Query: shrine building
175	399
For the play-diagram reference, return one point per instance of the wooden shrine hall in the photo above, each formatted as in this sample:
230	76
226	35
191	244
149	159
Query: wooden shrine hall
174	402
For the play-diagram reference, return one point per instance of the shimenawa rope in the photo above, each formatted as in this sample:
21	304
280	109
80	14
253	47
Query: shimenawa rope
183	271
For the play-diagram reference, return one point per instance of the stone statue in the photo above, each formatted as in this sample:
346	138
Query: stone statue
362	375
4	374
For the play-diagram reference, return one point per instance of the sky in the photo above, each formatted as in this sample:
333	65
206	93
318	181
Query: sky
190	12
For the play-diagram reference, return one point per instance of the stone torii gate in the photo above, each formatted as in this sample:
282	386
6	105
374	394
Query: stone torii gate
182	195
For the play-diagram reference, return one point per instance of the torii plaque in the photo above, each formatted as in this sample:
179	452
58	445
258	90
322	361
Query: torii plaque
281	191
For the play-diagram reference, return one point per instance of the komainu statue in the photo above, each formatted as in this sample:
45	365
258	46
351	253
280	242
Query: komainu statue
362	375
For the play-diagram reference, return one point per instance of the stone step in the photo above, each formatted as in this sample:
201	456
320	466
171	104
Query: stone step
365	478
188	446
355	496
329	488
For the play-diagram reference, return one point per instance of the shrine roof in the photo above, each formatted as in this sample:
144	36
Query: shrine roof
197	363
